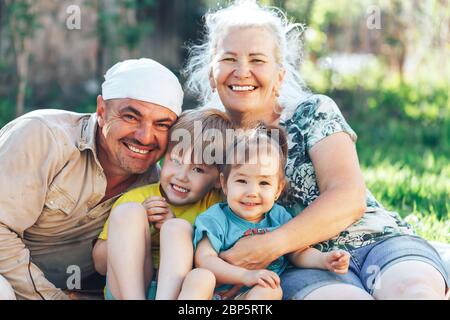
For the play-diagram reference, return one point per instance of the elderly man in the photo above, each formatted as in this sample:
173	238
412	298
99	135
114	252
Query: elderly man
62	171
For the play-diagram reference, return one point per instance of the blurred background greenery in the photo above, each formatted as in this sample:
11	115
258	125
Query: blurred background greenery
386	63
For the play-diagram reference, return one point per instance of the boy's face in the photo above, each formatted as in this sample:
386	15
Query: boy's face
252	189
184	183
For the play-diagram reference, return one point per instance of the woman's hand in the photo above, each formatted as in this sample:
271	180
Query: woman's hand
158	211
254	252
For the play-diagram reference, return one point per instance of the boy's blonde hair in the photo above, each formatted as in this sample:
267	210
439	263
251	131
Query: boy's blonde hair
201	129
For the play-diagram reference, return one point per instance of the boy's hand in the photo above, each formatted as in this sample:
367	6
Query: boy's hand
158	211
337	261
264	278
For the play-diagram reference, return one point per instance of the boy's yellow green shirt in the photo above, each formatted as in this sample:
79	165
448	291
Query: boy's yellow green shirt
187	212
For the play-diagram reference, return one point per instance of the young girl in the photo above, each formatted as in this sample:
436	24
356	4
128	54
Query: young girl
252	180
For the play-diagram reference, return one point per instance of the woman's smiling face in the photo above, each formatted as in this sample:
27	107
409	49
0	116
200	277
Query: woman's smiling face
246	73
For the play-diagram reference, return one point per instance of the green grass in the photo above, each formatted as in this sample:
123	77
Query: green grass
421	198
406	165
403	144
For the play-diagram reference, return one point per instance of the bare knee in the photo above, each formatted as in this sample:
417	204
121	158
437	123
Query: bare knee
423	291
410	280
6	291
127	215
339	292
413	286
199	284
175	227
264	293
201	277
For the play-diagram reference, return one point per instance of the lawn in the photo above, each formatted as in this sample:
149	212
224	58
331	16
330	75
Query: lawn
406	164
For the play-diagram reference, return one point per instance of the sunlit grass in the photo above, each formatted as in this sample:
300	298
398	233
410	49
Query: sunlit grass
422	199
429	227
408	175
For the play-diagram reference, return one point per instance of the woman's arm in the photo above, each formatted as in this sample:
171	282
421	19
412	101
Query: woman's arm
340	204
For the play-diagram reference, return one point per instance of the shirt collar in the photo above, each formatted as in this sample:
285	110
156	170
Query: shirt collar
88	132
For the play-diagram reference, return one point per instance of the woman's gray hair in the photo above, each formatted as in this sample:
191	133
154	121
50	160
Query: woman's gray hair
247	13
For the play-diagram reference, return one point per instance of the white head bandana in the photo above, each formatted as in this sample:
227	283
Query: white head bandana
145	80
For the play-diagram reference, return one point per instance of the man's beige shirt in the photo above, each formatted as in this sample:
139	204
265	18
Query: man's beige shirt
51	185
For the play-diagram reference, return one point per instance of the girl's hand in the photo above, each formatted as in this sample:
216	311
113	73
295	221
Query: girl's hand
337	261
264	278
158	211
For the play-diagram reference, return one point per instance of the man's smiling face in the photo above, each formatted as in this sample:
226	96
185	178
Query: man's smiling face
132	134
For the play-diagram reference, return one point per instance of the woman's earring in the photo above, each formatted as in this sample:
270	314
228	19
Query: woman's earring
213	90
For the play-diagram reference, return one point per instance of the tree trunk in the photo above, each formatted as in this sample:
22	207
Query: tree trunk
22	73
22	47
102	41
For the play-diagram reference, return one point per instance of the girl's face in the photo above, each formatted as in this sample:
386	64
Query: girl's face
246	74
252	188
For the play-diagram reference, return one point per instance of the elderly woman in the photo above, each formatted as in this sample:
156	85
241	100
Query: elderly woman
249	64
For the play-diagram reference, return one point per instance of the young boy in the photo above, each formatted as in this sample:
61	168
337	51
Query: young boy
186	189
252	181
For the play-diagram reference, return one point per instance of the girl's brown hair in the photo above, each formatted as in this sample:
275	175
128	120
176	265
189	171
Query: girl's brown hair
251	140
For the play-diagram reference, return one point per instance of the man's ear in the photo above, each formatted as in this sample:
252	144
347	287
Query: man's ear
223	183
101	106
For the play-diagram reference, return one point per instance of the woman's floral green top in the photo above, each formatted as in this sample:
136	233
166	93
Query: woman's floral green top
314	119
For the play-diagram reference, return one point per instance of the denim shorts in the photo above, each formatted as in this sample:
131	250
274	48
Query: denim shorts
366	264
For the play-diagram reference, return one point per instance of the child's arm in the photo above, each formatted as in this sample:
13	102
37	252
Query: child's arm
336	261
99	255
225	273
